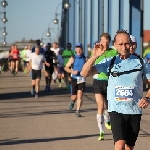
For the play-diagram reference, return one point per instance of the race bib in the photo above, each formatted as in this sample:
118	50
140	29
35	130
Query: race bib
124	93
80	80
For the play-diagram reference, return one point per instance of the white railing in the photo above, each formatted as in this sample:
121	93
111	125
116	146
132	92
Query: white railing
4	54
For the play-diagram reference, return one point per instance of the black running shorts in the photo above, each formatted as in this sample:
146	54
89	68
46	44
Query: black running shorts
60	70
14	60
125	127
100	87
36	74
76	87
50	69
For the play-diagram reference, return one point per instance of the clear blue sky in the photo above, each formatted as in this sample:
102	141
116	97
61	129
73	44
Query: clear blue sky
29	19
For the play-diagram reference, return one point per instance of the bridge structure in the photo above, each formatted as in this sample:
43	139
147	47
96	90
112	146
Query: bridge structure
85	20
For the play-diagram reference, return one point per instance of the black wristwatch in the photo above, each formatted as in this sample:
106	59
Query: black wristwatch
147	98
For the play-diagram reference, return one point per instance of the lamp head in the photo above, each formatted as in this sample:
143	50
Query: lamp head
4	20
4	43
4	33
4	3
55	21
66	5
48	34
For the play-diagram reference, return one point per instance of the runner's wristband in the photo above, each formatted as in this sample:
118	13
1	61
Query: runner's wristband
147	98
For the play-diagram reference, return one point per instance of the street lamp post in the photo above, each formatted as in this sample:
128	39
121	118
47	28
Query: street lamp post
48	34
42	39
80	19
66	5
56	21
4	3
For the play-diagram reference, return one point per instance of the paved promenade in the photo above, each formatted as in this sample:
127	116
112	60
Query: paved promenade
46	123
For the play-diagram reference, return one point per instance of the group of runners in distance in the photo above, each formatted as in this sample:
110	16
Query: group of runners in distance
118	75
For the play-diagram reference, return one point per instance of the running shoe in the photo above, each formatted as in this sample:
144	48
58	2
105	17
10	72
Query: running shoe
46	88
108	125
71	105
60	85
32	92
62	80
101	136
78	114
25	71
36	96
14	73
57	80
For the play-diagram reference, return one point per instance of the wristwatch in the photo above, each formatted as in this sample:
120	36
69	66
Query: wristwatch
147	98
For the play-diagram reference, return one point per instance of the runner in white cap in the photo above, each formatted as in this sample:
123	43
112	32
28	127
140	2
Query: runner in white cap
133	44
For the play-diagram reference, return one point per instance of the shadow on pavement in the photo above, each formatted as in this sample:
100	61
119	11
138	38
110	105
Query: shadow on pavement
10	96
42	93
53	112
16	142
145	133
19	95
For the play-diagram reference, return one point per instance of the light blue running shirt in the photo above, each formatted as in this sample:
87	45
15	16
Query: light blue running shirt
125	91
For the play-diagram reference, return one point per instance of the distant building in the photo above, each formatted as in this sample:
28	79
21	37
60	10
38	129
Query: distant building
146	37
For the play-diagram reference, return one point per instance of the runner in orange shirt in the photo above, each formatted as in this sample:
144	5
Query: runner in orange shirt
15	60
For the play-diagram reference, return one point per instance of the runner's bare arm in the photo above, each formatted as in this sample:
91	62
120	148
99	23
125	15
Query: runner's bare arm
148	93
46	63
145	101
68	66
30	64
88	68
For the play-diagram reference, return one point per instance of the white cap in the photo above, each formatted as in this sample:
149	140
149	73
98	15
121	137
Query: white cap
133	39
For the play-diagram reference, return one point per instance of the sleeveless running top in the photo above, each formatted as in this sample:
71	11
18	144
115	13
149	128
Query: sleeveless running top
15	54
79	61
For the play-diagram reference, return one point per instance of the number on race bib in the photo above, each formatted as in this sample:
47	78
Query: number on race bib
80	80
124	93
